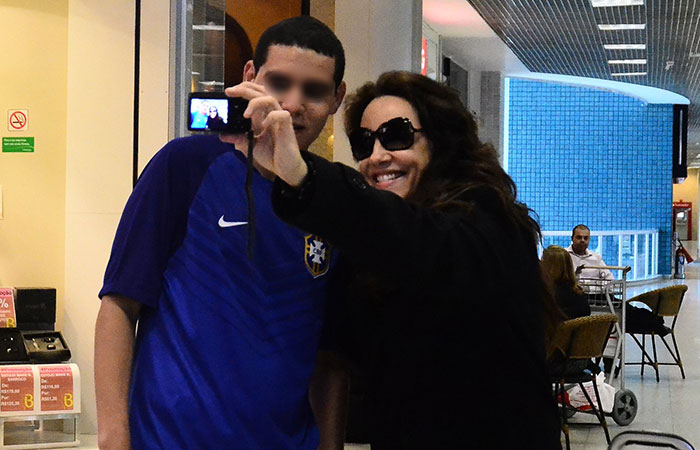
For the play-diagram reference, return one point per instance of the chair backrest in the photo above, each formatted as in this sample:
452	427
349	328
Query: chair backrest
583	337
664	301
650	298
671	300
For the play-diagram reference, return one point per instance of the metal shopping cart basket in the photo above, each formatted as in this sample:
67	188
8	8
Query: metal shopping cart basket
649	439
608	296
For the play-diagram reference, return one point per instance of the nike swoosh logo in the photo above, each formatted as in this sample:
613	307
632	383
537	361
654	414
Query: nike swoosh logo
225	224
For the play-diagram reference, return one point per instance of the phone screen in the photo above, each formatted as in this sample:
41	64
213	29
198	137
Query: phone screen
214	111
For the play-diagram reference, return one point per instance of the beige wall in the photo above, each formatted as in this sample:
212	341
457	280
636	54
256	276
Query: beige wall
100	150
98	165
154	79
377	37
33	77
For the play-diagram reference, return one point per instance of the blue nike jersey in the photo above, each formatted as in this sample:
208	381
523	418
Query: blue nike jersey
225	345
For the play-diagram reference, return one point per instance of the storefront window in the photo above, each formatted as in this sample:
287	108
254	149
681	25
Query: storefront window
198	49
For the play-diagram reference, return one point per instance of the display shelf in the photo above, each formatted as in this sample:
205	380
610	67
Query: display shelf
39	406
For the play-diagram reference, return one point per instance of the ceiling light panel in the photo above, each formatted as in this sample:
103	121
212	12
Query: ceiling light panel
625	46
622	26
606	3
627	61
630	74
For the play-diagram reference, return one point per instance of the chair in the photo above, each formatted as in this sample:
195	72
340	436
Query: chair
651	439
663	302
574	344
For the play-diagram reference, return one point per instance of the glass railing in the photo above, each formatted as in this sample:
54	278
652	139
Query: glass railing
638	249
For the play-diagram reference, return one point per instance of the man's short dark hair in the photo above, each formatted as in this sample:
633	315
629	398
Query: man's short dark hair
573	232
304	32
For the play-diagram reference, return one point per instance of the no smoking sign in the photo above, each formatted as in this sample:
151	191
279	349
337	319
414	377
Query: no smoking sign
17	119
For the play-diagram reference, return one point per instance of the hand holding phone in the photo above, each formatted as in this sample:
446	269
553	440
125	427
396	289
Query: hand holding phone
215	111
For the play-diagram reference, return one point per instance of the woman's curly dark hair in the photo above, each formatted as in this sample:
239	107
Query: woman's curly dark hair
462	170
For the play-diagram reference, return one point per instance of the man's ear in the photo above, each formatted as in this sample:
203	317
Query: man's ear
339	95
249	71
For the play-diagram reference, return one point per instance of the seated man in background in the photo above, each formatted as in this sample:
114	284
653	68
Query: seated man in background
583	259
581	256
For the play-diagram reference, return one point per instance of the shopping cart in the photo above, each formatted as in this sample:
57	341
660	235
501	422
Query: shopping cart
608	296
649	439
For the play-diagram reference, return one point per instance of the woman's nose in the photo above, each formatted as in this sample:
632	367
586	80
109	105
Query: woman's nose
379	153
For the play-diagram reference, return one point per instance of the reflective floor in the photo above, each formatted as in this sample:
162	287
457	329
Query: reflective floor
671	405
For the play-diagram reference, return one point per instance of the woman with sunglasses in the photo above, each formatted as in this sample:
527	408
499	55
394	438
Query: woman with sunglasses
443	306
215	121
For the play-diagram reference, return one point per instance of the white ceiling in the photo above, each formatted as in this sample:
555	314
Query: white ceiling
472	43
469	41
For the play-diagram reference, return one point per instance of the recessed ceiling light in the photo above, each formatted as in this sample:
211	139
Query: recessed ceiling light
622	26
629	74
627	61
604	3
625	46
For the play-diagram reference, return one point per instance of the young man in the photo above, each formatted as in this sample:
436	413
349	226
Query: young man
226	345
581	256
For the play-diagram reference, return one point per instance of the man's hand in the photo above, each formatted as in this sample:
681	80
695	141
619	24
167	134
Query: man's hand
247	90
580	268
276	149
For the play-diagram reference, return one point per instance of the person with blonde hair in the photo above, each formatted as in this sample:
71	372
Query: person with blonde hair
559	271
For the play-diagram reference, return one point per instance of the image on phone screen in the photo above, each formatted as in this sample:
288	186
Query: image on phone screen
208	114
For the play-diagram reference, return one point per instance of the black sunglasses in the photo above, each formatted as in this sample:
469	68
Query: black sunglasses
395	134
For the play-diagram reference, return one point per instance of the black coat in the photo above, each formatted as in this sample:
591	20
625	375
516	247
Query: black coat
572	303
450	337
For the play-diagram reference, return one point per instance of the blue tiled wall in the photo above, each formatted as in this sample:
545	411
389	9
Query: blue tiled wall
586	155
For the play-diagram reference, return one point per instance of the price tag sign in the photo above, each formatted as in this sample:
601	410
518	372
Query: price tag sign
7	308
16	389
57	392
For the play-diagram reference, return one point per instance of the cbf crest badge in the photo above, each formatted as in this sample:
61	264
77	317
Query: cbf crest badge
317	255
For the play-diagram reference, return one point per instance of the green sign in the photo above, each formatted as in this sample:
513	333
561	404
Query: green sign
18	145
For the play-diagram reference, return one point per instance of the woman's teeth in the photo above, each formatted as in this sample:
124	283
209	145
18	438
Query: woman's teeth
387	177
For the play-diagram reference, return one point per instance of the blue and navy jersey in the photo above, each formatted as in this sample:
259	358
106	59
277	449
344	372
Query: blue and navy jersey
225	345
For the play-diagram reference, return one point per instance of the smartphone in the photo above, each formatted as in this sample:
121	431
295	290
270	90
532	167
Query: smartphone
214	111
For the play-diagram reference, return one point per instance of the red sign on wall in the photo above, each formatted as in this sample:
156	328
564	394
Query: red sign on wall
682	205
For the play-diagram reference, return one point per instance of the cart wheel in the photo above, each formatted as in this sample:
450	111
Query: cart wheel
625	407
